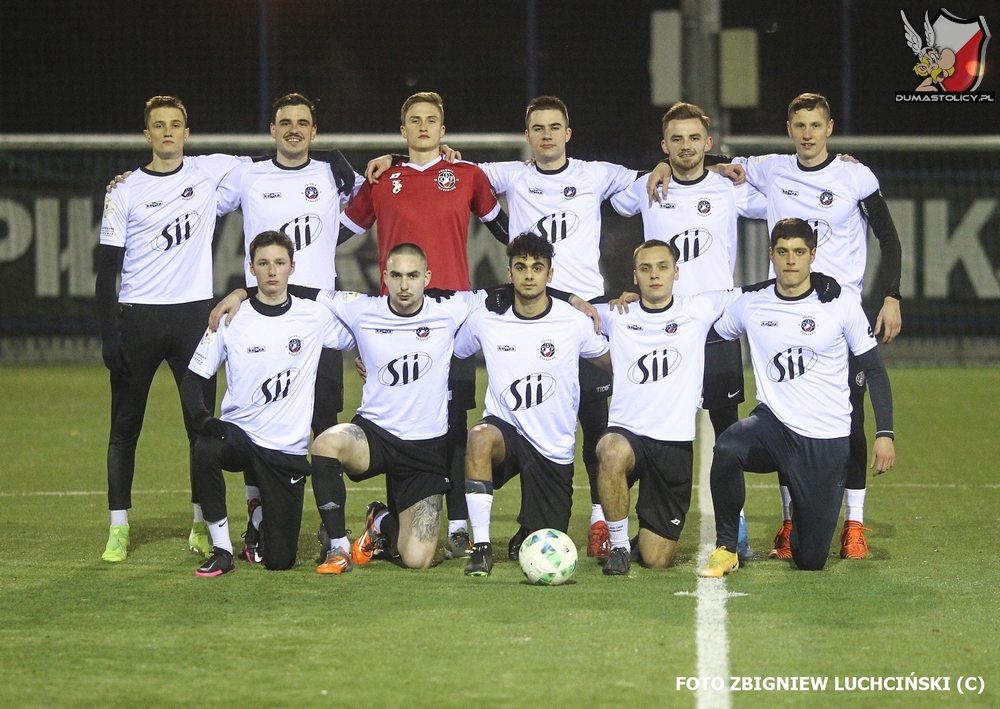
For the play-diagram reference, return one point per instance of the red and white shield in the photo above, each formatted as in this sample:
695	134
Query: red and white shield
967	38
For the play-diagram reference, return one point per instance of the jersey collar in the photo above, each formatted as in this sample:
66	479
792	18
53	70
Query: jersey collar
416	312
793	298
829	159
695	181
162	174
664	309
274	161
553	172
428	166
271	311
534	317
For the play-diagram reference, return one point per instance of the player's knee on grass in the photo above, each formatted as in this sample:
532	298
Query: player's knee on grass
811	559
657	552
419	526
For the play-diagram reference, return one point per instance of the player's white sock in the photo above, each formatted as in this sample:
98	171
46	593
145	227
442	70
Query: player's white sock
220	534
119	517
786	503
480	506
198	516
342	542
854	505
619	534
596	514
253	492
377	522
743	514
257	516
455	525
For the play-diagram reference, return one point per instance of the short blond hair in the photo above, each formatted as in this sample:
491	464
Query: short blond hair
422	97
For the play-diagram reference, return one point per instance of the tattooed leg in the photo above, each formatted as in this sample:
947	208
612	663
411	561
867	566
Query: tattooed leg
419	526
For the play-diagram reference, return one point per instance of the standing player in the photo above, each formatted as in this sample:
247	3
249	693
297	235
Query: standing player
271	351
156	235
699	219
427	201
301	197
532	356
799	349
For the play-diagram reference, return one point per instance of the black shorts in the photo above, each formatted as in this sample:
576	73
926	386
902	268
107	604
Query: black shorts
595	383
414	470
723	383
664	471
546	487
462	384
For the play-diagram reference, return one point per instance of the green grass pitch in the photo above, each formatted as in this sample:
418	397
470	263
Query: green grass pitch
77	632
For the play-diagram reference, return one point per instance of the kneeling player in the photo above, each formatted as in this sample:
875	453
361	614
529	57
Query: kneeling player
532	356
799	349
271	351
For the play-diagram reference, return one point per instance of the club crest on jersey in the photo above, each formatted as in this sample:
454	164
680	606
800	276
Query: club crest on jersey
569	192
447	180
529	391
312	193
176	232
405	370
423	332
557	227
654	366
547	350
276	387
704	207
826	198
671	328
790	364
859	379
294	345
188	192
808	326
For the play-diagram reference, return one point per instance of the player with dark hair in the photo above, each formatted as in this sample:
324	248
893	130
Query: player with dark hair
299	193
426	201
801	428
532	356
271	350
156	234
700	219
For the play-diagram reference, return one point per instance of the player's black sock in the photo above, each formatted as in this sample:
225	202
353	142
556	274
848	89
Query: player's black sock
390	530
723	417
457	507
331	494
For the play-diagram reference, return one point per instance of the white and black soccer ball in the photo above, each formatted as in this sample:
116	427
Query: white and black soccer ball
548	557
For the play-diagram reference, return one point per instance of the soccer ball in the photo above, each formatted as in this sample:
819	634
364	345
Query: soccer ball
548	557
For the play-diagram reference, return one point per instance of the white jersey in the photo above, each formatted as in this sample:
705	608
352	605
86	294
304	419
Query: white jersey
799	351
301	202
699	218
407	358
564	207
828	197
659	363
533	367
271	363
165	222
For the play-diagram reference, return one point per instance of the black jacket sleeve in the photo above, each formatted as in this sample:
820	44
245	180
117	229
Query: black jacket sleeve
500	227
109	267
343	173
879	390
876	211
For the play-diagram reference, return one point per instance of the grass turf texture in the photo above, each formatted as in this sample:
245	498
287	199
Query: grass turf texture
75	631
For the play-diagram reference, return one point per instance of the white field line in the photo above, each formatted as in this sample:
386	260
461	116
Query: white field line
710	613
86	493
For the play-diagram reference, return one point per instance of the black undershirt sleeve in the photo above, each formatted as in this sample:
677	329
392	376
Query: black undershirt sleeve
193	398
109	267
879	390
343	173
876	211
344	235
500	227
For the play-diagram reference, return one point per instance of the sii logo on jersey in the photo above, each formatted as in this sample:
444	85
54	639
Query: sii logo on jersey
654	366
303	230
790	364
176	233
275	387
405	370
529	391
557	227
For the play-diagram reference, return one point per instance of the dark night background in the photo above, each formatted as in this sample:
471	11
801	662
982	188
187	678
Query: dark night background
87	67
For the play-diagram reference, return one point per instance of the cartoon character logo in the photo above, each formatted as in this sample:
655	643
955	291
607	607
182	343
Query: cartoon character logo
446	180
953	54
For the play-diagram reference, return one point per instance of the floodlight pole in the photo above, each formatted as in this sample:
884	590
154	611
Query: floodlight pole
263	69
702	22
532	50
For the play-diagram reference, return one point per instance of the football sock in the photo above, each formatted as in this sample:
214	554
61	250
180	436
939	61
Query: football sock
342	542
455	525
619	534
198	516
596	514
854	505
786	503
743	514
220	534
379	518
119	517
479	498
253	492
388	527
331	494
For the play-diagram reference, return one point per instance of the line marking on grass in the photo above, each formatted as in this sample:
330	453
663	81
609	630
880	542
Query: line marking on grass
712	640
